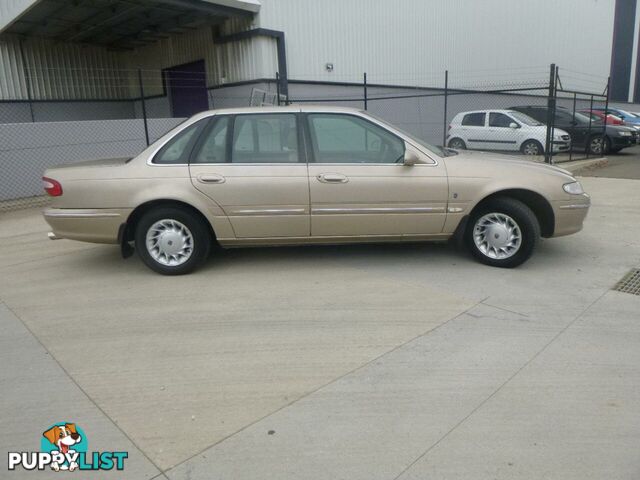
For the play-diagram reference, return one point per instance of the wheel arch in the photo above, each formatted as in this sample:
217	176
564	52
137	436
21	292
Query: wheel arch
538	204
143	208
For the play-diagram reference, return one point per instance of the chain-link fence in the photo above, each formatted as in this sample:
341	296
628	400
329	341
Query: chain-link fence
69	116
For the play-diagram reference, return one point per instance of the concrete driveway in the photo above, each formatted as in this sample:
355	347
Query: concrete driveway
359	362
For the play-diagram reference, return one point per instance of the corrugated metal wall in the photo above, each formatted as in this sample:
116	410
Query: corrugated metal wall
412	42
60	71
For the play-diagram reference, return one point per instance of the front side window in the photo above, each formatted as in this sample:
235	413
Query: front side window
500	120
340	138
473	119
213	146
177	150
265	138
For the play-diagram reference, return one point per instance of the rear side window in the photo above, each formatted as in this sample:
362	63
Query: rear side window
473	119
213	146
265	138
177	150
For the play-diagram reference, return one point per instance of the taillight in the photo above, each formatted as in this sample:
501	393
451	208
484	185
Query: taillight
52	187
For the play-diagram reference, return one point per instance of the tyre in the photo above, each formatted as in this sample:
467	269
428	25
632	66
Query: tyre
172	240
599	145
457	143
502	232
532	147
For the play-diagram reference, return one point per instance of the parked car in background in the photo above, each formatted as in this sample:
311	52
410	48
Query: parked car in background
505	130
307	175
600	115
627	117
586	133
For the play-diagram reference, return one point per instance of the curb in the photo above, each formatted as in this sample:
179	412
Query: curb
582	165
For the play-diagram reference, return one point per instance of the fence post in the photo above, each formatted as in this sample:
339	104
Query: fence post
364	84
551	108
278	87
444	119
144	107
573	119
588	142
606	112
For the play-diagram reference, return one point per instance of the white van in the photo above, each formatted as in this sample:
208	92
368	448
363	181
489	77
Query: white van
503	130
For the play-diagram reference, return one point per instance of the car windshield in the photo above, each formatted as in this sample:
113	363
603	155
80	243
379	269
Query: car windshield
442	152
526	119
627	114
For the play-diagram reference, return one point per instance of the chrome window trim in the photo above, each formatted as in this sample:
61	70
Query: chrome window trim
355	113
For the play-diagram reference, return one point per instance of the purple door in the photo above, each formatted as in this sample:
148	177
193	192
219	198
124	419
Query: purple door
187	88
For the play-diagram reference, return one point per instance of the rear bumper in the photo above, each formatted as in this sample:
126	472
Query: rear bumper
87	225
570	214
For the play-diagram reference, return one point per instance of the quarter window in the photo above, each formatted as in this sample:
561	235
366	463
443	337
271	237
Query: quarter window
473	119
350	139
265	138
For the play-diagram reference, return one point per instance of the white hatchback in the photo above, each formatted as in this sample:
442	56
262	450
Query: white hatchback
503	130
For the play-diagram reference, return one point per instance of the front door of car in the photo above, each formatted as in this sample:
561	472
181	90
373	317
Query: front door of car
502	136
250	166
360	187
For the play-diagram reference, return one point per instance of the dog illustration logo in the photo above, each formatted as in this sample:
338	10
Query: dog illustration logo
64	448
64	437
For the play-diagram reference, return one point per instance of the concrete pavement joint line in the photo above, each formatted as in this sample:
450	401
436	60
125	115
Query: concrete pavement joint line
323	386
481	404
85	393
504	309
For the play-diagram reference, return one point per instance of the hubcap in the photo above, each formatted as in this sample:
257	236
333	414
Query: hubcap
457	144
169	242
497	236
596	145
531	149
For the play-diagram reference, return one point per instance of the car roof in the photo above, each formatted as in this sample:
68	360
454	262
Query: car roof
493	110
280	109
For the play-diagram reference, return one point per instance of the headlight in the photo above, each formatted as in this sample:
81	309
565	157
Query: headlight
624	134
574	188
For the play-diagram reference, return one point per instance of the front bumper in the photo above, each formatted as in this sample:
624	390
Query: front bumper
95	225
622	142
560	146
570	214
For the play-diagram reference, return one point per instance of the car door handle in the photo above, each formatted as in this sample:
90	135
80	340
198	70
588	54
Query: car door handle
211	178
332	178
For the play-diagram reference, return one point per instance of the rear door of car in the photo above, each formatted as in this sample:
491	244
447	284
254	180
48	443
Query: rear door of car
360	187
252	165
475	129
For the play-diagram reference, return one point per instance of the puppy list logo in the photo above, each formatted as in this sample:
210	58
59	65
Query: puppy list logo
63	447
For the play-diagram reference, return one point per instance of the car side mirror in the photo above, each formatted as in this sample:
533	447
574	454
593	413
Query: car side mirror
410	158
514	125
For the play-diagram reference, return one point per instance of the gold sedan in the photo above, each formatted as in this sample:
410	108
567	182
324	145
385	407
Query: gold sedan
307	175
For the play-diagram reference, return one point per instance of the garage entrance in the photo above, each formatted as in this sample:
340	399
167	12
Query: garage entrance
187	88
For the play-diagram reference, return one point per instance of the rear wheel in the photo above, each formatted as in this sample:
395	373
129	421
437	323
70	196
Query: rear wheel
172	240
532	147
457	143
502	232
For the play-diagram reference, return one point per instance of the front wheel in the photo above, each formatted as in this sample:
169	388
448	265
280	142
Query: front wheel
532	147
599	145
172	240
502	232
